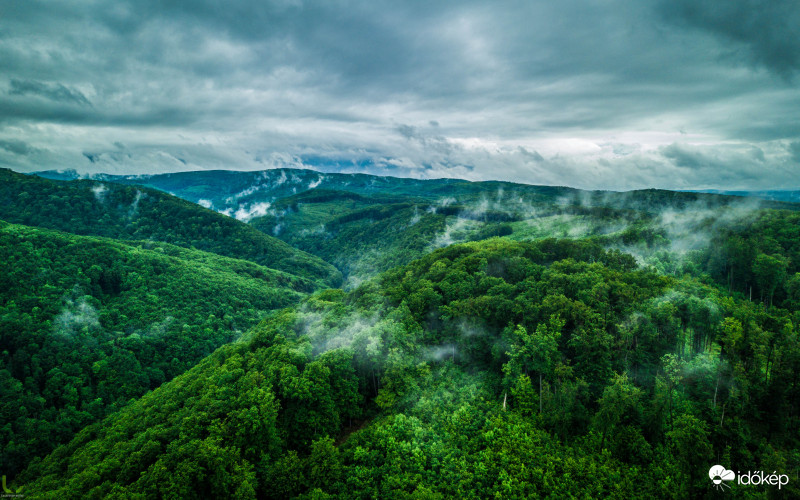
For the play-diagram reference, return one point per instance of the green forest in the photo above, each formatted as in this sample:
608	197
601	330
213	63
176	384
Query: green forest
289	334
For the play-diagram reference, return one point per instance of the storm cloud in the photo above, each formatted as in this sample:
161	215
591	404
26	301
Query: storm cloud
614	95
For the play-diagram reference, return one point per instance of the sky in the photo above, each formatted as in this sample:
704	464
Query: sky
604	94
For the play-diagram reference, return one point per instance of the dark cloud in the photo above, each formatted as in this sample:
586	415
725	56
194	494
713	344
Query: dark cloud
621	93
53	91
766	32
16	147
682	157
407	131
794	150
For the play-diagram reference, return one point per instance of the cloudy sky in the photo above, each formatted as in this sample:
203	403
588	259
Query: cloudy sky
613	94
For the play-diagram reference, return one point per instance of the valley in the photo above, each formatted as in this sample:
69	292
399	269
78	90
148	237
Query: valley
298	334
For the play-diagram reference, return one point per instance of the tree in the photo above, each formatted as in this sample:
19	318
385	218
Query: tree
769	272
793	292
621	399
689	444
537	352
673	375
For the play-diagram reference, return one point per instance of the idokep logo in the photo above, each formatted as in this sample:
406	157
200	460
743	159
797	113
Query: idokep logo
718	474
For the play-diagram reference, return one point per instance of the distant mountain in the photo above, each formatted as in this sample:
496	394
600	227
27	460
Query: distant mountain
365	224
90	207
62	175
789	195
245	195
227	190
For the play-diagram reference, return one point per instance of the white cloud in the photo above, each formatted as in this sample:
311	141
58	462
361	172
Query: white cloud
568	93
245	213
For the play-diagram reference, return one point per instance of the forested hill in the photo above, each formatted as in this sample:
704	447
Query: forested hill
246	192
493	369
225	188
365	224
137	213
791	195
88	323
366	234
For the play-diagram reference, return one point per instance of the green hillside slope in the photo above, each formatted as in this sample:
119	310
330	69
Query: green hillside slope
363	235
234	190
367	224
136	213
489	369
88	323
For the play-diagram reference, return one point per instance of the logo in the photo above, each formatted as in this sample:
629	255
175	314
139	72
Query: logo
718	474
9	493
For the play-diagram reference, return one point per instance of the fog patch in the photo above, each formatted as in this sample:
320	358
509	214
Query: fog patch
246	213
415	218
468	329
579	230
243	193
99	192
355	331
693	227
135	204
75	316
316	183
439	353
316	231
159	329
454	232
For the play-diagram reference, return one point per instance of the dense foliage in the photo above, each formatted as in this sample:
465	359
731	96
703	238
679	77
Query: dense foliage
360	236
136	213
760	257
88	323
607	345
487	369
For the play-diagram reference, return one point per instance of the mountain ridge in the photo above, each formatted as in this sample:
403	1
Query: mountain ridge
100	208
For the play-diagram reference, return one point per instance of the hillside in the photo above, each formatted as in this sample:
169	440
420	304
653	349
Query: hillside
249	194
491	340
360	235
487	369
136	213
88	323
364	235
789	195
367	224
